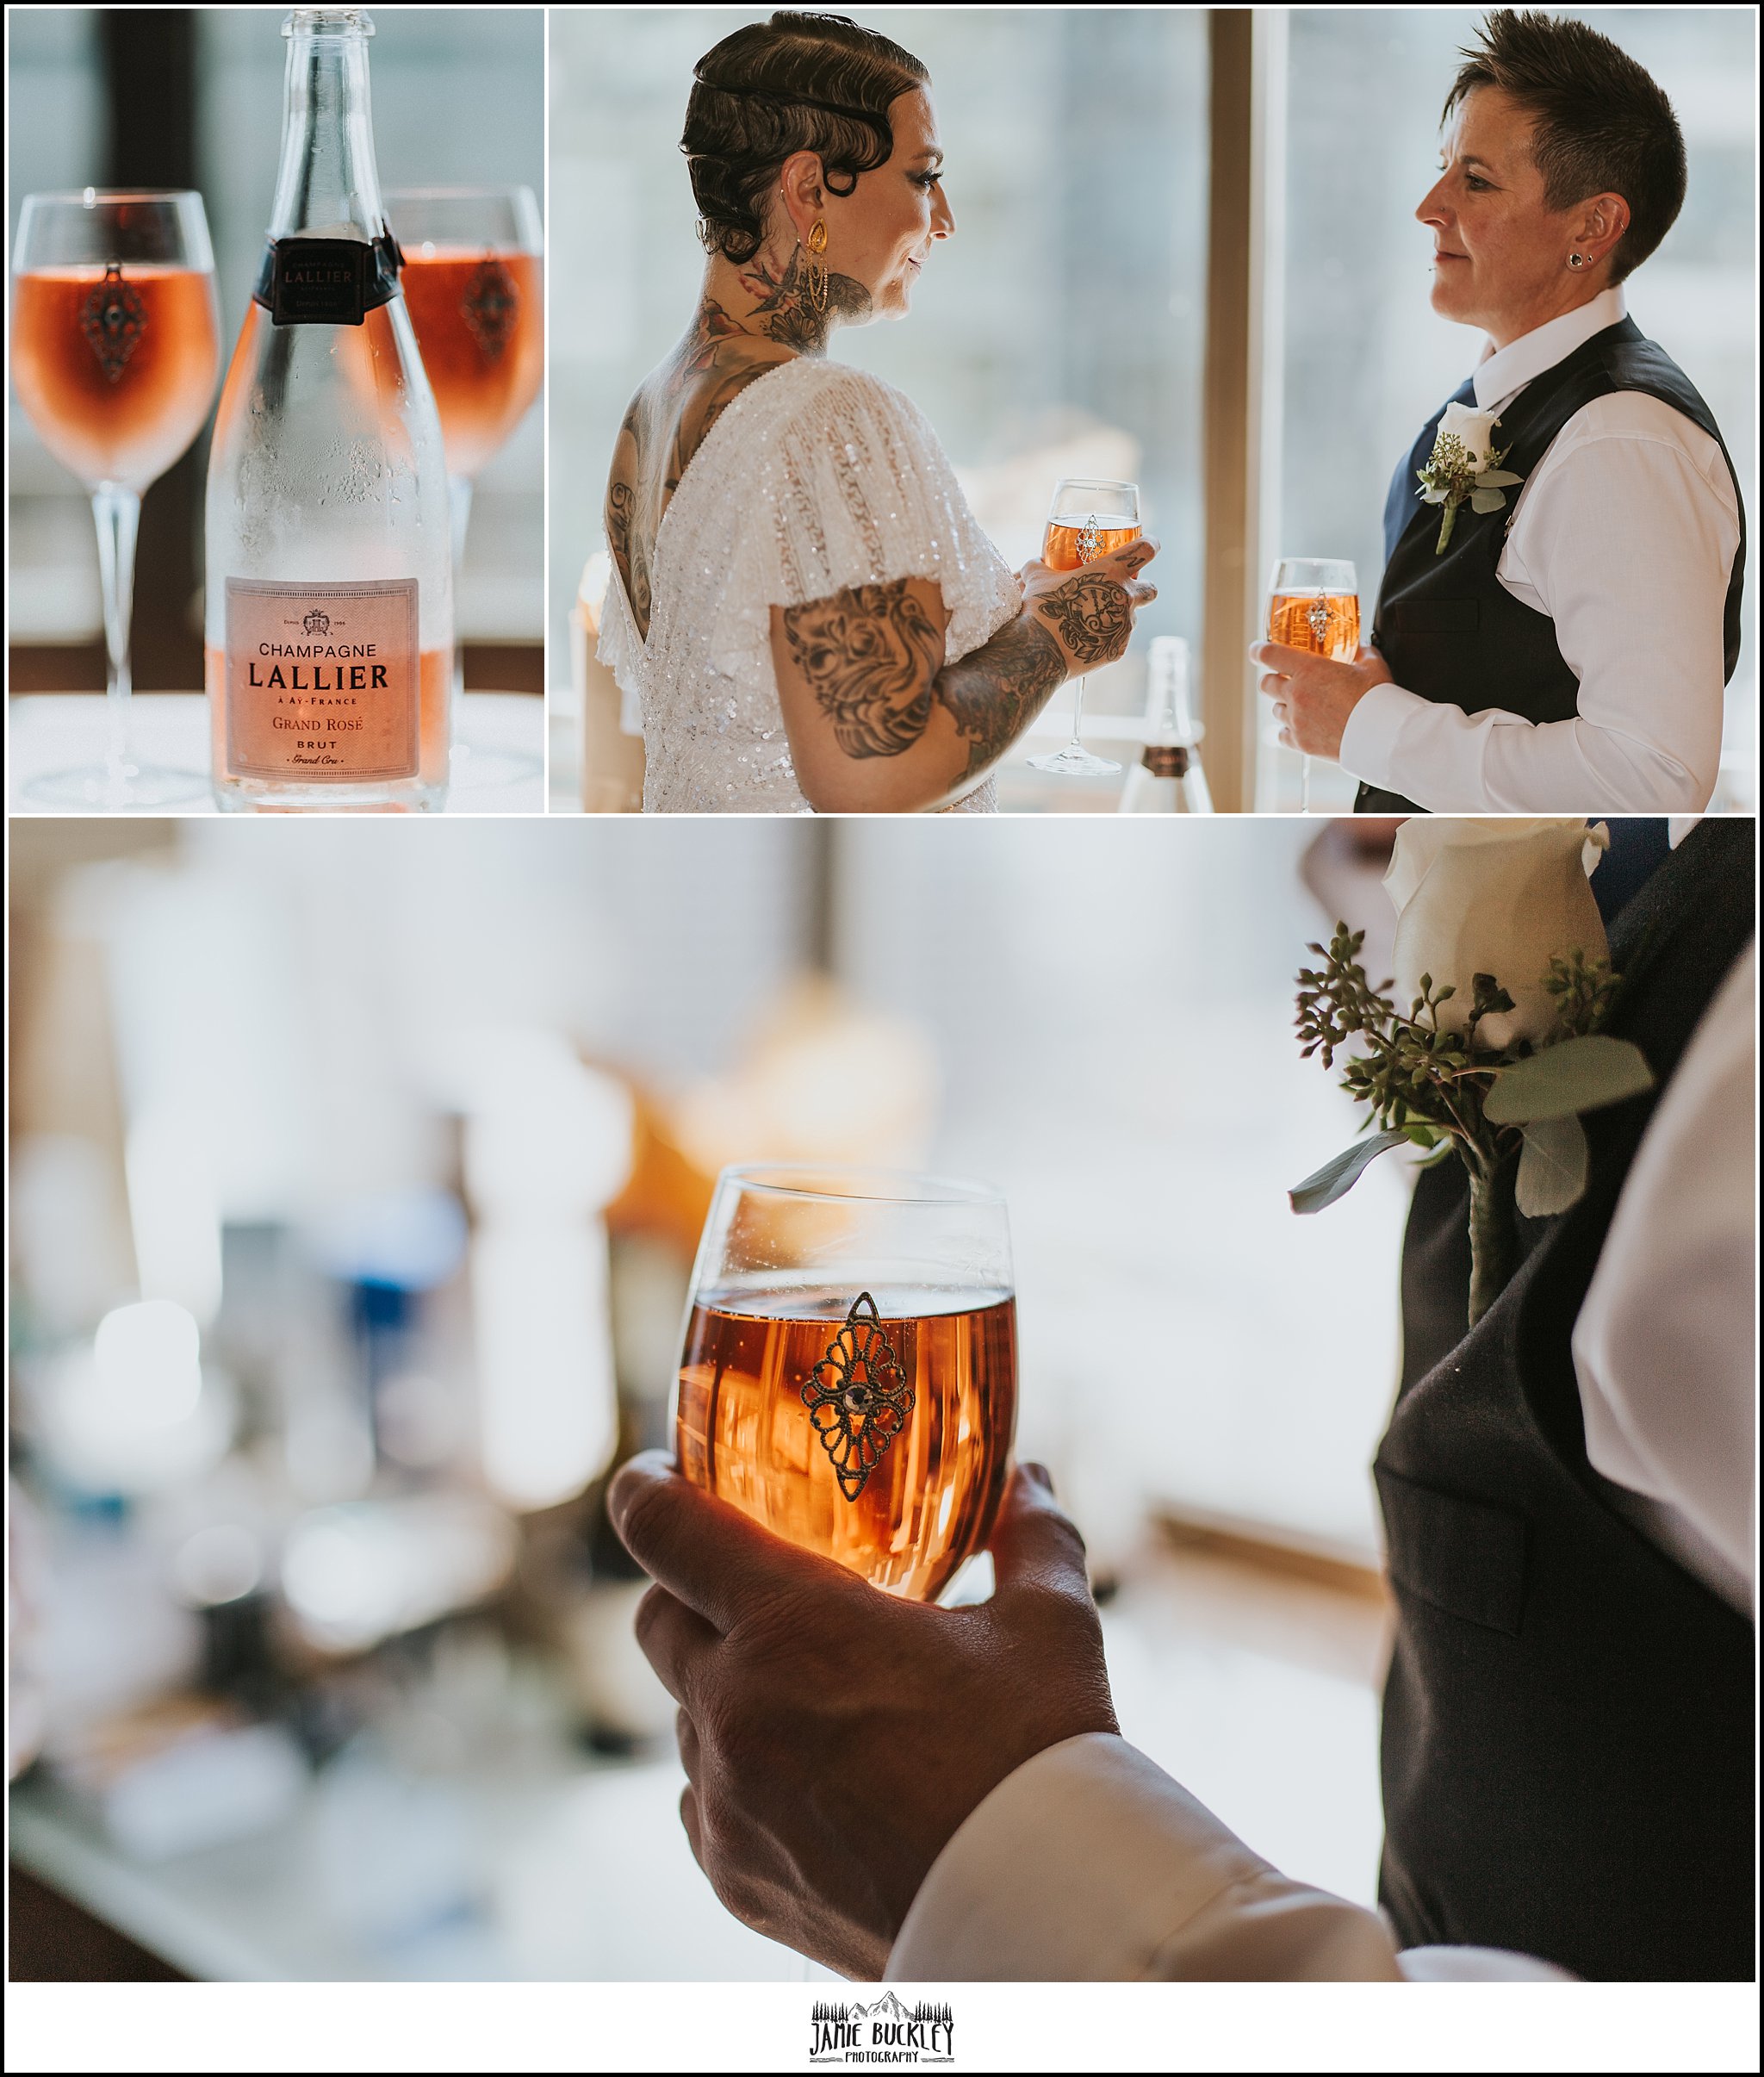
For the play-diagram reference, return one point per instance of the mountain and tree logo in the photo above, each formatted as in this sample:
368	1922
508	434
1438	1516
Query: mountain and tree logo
922	2033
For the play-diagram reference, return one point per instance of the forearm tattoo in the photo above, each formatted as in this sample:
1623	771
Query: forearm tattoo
1092	618
869	656
996	690
872	659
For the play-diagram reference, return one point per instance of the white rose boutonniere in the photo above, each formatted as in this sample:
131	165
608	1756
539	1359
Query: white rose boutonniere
1465	464
1502	960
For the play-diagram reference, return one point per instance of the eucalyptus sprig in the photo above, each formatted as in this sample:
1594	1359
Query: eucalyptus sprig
1452	474
1510	1111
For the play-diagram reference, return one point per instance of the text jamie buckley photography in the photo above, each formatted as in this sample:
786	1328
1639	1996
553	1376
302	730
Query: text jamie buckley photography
886	2031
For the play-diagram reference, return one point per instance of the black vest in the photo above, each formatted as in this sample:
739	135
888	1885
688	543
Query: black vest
1567	1749
1445	624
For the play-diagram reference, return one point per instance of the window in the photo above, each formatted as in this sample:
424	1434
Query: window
56	117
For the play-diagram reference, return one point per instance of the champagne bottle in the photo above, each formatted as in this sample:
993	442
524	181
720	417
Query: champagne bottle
329	609
1168	779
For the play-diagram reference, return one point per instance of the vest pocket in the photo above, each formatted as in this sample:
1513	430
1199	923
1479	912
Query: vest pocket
1464	1557
1433	616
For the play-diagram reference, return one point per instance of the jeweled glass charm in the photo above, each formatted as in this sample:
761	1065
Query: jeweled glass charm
113	321
490	306
858	1397
775	1355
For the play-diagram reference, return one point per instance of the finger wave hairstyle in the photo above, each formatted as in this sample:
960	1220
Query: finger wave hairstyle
1600	124
798	83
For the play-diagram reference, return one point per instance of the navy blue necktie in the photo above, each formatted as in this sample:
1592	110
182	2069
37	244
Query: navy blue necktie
1639	845
1399	503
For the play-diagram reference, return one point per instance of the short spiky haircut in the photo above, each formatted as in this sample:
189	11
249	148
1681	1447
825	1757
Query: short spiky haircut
1600	124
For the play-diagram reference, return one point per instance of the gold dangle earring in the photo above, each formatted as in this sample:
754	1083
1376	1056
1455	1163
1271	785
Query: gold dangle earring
814	268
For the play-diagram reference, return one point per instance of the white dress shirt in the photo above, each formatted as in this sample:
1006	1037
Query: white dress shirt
1625	534
1088	1862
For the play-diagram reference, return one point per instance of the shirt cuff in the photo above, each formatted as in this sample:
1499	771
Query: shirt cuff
1090	1864
1369	742
1476	1965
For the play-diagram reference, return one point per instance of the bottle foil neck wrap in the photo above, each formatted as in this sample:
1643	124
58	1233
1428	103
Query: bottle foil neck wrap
327	281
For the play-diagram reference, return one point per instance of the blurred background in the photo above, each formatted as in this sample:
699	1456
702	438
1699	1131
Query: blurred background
192	98
1065	330
357	1176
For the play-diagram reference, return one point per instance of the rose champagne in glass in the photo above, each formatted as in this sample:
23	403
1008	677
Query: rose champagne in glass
115	347
473	282
849	1377
1089	517
1314	605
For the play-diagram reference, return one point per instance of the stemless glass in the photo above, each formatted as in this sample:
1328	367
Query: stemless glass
1089	516
849	1377
472	278
1315	606
116	348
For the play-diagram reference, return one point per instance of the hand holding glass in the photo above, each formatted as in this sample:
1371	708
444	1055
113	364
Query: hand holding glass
1088	517
1315	605
849	1377
116	348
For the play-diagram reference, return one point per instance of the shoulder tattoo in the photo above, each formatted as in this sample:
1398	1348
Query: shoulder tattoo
870	657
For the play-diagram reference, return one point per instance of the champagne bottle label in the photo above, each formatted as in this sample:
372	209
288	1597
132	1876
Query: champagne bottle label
322	680
326	280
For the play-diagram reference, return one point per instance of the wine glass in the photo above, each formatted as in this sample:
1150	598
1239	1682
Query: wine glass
115	349
1089	517
1315	606
472	278
849	1377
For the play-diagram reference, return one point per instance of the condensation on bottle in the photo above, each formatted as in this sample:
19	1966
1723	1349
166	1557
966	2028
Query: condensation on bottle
1168	779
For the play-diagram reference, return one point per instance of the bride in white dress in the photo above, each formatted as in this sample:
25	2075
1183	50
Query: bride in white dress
804	606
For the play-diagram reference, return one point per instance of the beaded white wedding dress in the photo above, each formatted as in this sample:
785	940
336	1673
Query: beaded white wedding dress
816	477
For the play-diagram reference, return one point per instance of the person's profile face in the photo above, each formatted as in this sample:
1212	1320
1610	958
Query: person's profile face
880	233
1499	249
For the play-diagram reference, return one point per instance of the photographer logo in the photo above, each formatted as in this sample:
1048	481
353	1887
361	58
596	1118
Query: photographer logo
885	2032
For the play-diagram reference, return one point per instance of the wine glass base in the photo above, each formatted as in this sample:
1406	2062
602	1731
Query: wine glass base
1074	764
96	789
475	764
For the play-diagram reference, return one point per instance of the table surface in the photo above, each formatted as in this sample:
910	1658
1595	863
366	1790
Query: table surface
1257	1692
1020	791
49	731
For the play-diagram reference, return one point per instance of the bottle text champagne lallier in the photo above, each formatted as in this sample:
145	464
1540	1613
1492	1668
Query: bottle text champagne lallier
329	584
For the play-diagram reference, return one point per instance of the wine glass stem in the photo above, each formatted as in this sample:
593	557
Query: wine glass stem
1077	712
459	500
116	513
1304	785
